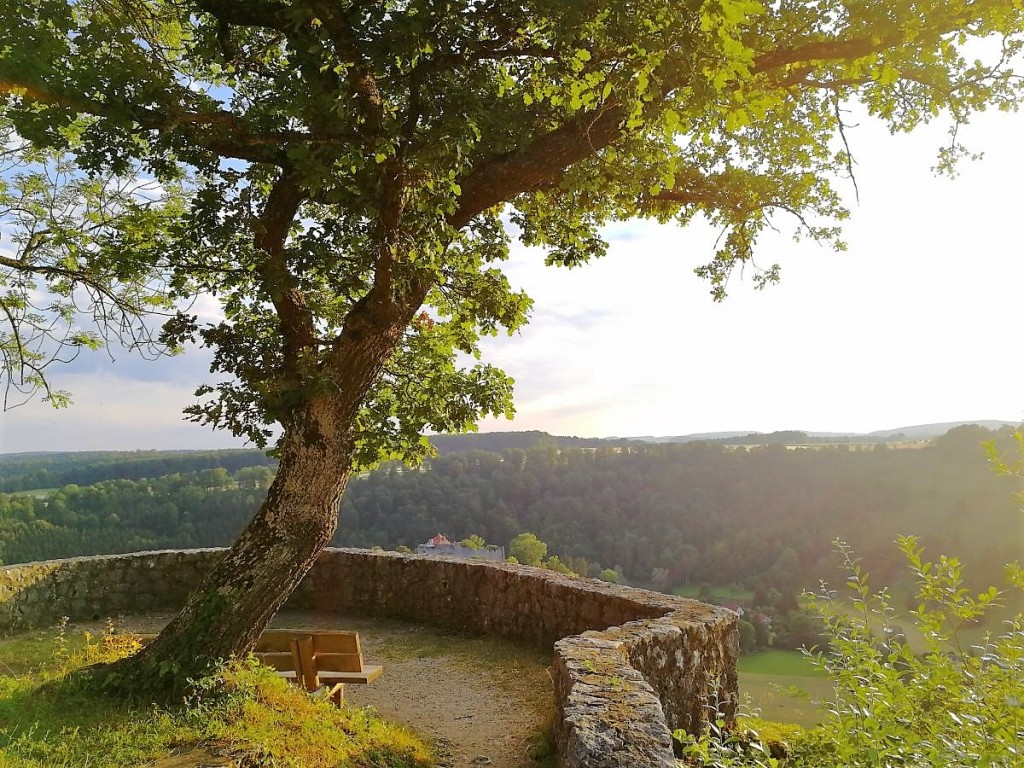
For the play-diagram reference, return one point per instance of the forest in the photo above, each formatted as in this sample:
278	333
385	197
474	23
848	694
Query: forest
705	513
666	515
33	471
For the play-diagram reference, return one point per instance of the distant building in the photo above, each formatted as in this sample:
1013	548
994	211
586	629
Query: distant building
734	607
439	545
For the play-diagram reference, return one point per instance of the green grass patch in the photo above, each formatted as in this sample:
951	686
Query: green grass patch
27	653
782	663
770	730
51	720
784	686
791	699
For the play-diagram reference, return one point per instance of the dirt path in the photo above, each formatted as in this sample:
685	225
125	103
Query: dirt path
485	701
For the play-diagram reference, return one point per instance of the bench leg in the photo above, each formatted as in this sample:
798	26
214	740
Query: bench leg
337	694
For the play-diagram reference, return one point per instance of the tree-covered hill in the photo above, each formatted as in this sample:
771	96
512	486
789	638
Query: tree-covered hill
705	512
500	441
670	515
195	509
29	471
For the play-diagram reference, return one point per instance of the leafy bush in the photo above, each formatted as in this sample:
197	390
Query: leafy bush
722	748
948	704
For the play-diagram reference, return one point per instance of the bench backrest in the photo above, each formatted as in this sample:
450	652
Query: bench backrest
280	651
301	654
309	652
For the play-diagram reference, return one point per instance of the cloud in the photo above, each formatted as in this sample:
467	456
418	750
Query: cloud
188	369
110	412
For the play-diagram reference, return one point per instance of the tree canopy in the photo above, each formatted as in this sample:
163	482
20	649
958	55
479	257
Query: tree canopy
345	177
318	156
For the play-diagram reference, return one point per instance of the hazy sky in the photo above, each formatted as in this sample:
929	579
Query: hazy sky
919	321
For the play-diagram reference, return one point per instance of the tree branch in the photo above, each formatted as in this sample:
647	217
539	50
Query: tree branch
297	326
270	14
230	136
359	71
881	38
503	177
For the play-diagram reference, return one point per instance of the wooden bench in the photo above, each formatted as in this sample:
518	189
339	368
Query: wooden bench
317	659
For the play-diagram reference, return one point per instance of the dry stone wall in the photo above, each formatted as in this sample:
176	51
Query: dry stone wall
631	666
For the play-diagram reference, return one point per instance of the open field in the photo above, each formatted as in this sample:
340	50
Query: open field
783	686
37	493
784	663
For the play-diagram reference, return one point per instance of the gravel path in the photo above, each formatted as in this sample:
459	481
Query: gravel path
484	700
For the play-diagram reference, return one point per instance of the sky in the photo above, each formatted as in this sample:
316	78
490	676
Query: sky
919	321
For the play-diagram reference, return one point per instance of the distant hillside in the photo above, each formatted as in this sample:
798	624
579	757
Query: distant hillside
673	514
797	437
928	431
699	513
500	441
684	438
31	471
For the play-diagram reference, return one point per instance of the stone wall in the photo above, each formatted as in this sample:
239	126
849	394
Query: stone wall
631	666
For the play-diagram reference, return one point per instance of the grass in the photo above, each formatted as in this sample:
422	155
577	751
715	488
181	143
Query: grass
50	720
781	663
28	653
783	686
769	731
786	698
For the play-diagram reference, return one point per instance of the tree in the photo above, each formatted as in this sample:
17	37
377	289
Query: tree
474	541
748	636
554	563
336	174
659	579
527	549
60	291
612	575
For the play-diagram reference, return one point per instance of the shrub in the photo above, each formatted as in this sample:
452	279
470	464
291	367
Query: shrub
949	704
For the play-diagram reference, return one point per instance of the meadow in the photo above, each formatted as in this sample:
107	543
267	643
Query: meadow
783	686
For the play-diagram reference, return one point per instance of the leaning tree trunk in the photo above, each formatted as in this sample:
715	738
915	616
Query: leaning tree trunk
226	614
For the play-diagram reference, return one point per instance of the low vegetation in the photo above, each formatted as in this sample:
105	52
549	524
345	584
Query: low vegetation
950	704
49	719
784	687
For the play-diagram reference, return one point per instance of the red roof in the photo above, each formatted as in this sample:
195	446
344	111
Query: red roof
439	540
